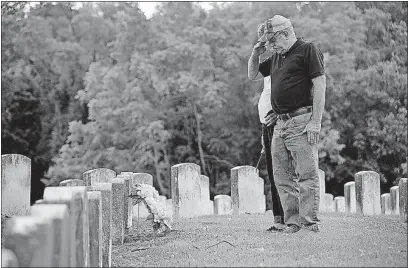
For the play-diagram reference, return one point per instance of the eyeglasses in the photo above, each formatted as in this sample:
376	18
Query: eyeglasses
271	37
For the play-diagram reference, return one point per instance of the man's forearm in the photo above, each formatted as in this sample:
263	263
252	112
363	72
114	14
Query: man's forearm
253	66
319	92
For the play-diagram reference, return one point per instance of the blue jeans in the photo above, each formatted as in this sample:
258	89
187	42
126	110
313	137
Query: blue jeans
295	170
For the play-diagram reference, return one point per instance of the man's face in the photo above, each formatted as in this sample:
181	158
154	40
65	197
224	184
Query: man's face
278	42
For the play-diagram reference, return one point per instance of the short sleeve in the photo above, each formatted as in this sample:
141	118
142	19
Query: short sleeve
265	67
314	61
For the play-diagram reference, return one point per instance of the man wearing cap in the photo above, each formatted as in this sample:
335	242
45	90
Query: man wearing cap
298	86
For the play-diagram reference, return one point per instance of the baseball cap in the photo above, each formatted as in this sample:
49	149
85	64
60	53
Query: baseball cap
275	24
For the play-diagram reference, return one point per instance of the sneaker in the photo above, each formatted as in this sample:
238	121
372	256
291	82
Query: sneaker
291	228
277	227
312	227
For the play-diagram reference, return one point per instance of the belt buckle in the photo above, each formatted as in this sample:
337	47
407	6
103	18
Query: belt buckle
284	117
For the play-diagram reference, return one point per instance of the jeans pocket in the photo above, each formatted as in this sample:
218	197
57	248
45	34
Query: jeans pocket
302	119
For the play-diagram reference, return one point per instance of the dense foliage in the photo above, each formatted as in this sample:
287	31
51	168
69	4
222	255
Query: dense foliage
100	85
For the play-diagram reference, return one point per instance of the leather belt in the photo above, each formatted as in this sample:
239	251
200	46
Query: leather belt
300	111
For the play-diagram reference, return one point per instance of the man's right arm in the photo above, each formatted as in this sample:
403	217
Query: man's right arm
253	66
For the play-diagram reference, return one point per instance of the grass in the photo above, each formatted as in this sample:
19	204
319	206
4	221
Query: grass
219	241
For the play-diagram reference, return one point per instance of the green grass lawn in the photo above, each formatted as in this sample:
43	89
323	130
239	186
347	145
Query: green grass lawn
344	240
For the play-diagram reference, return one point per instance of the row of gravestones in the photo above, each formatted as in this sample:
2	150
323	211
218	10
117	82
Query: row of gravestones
76	223
363	196
101	200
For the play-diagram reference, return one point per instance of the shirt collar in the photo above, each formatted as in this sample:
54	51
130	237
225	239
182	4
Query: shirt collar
298	42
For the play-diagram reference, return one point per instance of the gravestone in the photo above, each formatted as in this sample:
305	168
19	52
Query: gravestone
30	240
98	175
350	197
118	224
222	205
328	204
185	190
15	184
63	195
403	204
339	202
394	198
128	212
385	204
59	216
8	258
82	224
95	230
169	207
73	182
322	187
140	210
106	194
245	190
205	195
368	192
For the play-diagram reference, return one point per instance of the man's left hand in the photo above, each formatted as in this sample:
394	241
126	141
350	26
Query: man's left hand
271	119
313	130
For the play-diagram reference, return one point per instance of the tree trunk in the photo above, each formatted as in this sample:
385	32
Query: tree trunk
200	139
158	171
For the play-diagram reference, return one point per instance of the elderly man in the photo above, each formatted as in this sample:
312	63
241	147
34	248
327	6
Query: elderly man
298	87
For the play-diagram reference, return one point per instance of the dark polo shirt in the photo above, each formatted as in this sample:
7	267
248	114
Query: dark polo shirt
292	74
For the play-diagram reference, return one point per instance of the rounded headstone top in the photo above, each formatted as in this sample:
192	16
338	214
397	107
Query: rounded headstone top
14	158
366	174
72	182
350	183
221	196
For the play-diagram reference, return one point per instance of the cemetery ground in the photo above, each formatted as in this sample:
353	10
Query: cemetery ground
242	240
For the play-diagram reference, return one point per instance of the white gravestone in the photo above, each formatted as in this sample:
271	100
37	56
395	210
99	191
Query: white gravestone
15	184
205	195
128	201
59	216
63	195
350	197
245	190
140	210
106	194
385	204
30	239
328	204
185	190
98	175
339	202
222	205
394	198
368	192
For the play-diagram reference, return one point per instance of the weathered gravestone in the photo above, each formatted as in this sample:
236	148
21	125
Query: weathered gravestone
350	197
169	207
368	192
339	202
128	212
118	224
63	195
222	205
245	190
98	175
106	194
95	230
59	216
8	258
140	210
73	182
403	204
394	198
322	187
15	184
185	190
30	239
385	204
